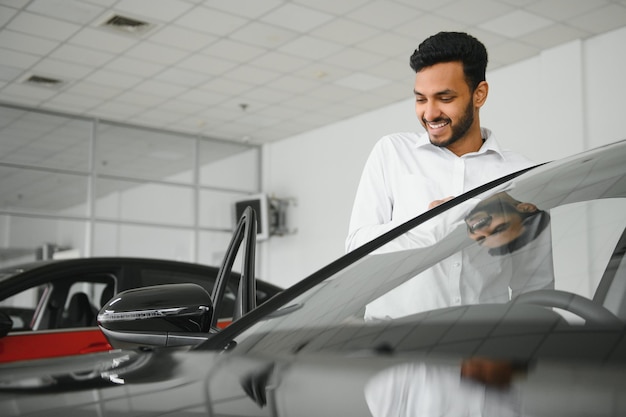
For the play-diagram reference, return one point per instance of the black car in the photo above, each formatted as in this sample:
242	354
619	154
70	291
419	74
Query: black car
476	307
53	304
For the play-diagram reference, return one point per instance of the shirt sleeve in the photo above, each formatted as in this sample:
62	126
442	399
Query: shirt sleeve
373	203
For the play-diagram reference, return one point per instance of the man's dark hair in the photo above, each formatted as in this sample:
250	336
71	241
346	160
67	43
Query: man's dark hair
453	47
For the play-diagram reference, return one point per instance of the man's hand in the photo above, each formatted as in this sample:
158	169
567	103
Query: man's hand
438	202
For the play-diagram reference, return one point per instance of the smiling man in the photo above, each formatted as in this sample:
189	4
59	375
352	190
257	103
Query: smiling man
408	173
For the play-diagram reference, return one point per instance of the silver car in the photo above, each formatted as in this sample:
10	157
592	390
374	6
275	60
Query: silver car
509	300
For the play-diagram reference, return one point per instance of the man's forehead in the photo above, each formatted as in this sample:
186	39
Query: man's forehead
439	78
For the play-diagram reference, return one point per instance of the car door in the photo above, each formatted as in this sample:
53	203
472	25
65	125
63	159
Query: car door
56	317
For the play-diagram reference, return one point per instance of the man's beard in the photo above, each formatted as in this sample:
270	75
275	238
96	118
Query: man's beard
459	129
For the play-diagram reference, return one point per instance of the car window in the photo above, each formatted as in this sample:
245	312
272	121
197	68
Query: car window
21	307
83	301
62	302
545	252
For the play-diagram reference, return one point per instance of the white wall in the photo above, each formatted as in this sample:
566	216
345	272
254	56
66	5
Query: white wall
561	102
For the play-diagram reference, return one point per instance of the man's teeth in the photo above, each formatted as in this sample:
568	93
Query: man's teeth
437	125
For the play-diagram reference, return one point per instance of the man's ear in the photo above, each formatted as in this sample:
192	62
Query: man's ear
480	94
527	207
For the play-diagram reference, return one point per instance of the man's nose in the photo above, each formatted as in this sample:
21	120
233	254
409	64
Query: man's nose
431	111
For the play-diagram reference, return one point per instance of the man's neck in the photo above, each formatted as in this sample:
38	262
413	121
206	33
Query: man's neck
468	144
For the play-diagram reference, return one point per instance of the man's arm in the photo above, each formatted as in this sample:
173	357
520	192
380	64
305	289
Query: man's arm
373	204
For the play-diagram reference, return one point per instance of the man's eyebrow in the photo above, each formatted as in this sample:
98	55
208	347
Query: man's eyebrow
439	93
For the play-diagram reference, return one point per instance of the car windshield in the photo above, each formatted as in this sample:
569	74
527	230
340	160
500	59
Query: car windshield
545	247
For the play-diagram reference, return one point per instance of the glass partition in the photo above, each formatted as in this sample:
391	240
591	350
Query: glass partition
104	188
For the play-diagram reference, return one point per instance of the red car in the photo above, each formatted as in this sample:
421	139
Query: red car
53	304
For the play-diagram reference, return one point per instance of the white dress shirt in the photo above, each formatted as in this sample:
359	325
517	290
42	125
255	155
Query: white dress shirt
402	176
405	173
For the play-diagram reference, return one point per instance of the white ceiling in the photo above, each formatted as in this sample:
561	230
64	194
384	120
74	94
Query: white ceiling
258	70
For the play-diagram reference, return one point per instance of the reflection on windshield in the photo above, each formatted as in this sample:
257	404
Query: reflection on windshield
513	255
504	224
478	386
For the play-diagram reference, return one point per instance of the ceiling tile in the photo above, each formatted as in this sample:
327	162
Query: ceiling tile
45	27
333	6
6	14
384	14
510	51
344	31
280	62
17	59
310	47
355	59
343	110
427	6
304	103
207	64
114	79
8	74
80	55
362	82
210	21
263	34
603	19
553	35
26	43
133	66
178	106
516	23
69	10
322	72
163	10
248	8
28	92
182	77
296	17
474	12
157	117
160	88
233	51
332	93
204	97
74	102
180	38
427	25
266	95
395	69
61	69
226	87
159	54
395	91
561	10
89	89
117	111
139	99
390	44
103	40
248	73
295	84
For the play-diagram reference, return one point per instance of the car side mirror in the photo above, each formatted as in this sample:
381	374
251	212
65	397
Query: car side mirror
159	315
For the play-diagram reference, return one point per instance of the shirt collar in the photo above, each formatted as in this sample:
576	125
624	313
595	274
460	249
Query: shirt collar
490	145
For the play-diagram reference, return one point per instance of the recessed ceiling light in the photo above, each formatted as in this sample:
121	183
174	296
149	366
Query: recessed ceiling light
43	81
127	25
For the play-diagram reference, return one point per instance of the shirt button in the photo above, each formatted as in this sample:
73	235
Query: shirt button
457	264
457	300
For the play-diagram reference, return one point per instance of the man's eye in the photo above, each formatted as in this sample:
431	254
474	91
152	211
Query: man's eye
447	99
420	100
